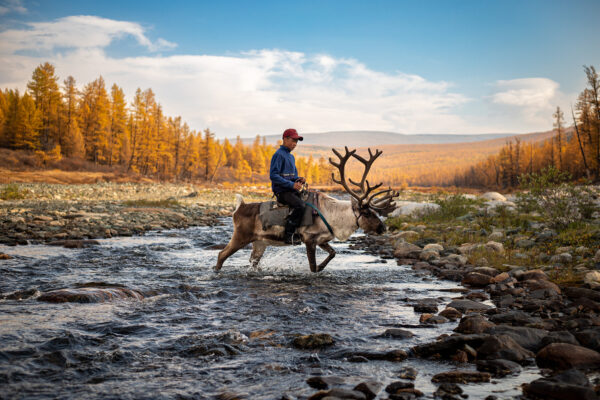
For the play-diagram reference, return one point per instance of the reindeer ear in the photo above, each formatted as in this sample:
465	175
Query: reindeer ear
354	203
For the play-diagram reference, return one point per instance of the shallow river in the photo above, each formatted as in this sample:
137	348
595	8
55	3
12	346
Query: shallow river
198	334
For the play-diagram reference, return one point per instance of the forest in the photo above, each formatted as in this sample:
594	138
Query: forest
98	125
574	150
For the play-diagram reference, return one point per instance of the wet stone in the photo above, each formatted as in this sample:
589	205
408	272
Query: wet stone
370	389
461	377
338	393
408	373
503	347
570	385
499	367
560	356
313	341
465	305
324	382
397	333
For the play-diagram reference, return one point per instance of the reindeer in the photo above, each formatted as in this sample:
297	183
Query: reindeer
345	217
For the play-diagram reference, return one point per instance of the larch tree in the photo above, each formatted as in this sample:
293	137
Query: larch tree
73	144
95	118
117	132
44	89
558	125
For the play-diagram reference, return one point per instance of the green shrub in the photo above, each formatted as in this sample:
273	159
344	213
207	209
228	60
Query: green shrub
561	203
451	207
13	192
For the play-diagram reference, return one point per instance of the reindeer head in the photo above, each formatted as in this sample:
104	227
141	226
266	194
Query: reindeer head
365	202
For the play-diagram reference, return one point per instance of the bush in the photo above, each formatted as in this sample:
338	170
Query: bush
13	192
560	202
451	207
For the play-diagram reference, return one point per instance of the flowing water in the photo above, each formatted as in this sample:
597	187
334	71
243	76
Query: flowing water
199	334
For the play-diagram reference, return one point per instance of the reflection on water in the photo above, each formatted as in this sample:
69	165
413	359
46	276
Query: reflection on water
197	333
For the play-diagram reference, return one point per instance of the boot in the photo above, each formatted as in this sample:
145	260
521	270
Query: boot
290	236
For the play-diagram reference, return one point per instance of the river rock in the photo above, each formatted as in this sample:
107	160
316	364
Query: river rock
493	196
499	367
5	257
476	279
412	207
496	236
397	333
473	324
408	373
409	235
503	347
534	284
461	377
534	274
313	341
578	292
370	388
592	278
525	243
514	317
391	355
529	338
447	347
324	382
338	393
465	305
589	338
496	247
406	250
565	356
570	385
433	247
398	385
90	295
560	337
451	313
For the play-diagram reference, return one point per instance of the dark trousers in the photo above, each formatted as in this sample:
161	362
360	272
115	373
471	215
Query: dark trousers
292	199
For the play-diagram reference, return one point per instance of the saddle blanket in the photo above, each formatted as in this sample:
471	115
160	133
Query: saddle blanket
271	214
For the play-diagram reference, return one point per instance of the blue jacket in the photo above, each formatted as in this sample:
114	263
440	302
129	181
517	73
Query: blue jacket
283	172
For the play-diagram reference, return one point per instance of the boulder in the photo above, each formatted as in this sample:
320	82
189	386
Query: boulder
534	284
515	317
473	324
324	382
90	295
434	247
562	337
493	196
564	356
589	338
496	247
570	385
468	248
397	333
535	274
451	313
412	207
448	346
499	367
592	278
503	347
465	305
404	250
409	235
369	388
578	292
529	338
476	279
408	373
461	377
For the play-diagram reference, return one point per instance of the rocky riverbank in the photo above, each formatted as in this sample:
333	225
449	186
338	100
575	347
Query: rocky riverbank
70	214
543	310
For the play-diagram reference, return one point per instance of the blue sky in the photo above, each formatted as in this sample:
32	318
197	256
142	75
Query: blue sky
248	67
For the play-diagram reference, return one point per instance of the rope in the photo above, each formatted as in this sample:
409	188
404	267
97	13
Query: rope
320	215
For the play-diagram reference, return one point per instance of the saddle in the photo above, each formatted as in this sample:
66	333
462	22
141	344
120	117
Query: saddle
272	213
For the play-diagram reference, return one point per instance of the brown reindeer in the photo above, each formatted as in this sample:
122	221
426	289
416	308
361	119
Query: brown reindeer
345	217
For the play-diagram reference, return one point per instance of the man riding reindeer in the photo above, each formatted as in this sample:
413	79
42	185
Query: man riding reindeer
338	218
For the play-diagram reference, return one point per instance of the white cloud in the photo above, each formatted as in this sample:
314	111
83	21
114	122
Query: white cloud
259	91
12	6
531	99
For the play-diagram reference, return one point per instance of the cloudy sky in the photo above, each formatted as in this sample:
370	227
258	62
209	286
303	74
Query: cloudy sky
258	67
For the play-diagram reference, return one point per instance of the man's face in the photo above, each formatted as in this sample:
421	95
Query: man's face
290	143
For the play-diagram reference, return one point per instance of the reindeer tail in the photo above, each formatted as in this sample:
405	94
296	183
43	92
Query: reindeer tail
239	200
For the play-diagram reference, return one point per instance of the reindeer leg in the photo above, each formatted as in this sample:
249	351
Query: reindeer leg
311	249
234	245
258	249
327	247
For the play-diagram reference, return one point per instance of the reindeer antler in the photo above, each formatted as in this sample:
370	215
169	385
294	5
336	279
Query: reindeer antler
363	193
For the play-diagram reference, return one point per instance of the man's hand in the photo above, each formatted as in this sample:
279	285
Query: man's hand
301	180
297	185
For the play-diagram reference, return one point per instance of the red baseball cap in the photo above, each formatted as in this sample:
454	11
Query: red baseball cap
292	133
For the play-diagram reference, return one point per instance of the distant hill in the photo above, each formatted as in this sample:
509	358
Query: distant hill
421	164
379	138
